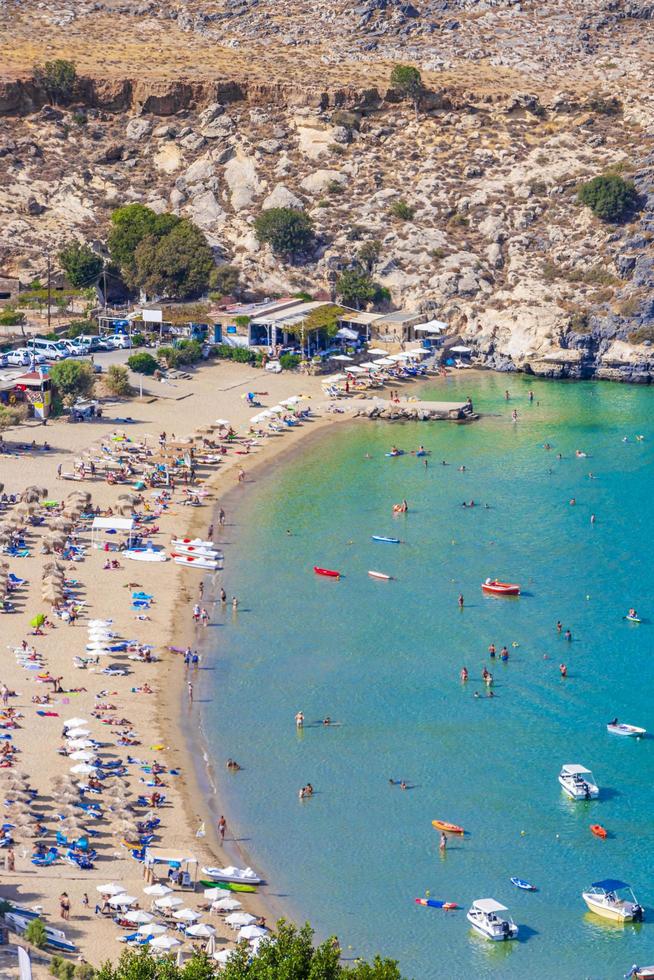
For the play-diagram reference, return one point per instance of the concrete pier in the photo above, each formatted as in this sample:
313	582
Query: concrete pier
413	411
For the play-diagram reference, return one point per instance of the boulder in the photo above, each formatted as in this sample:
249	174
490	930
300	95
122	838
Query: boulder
282	197
242	179
319	181
165	132
137	128
193	142
111	154
168	158
201	169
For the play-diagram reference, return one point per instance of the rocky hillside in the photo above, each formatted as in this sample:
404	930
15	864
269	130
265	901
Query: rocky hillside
219	110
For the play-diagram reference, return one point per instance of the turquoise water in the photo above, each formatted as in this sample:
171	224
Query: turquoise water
383	659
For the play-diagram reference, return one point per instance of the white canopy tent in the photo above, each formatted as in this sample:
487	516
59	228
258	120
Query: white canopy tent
101	525
431	326
460	349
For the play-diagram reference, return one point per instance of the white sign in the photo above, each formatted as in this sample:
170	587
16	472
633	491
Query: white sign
152	316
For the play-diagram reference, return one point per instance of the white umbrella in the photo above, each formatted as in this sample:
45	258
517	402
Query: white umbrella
293	400
138	916
201	931
376	350
340	357
79	743
257	418
223	955
122	900
222	422
83	768
240	919
252	932
77	733
100	622
395	357
153	929
210	948
75	722
186	915
165	942
225	904
158	890
369	364
334	378
111	888
168	902
277	410
384	361
80	755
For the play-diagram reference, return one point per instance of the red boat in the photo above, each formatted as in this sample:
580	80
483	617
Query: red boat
329	572
493	587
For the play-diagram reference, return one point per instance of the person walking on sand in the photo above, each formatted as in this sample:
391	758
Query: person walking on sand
189	688
10	860
196	612
210	532
221	517
222	827
4	691
201	590
241	475
64	905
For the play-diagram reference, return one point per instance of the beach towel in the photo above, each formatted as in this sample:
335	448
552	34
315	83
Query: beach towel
48	714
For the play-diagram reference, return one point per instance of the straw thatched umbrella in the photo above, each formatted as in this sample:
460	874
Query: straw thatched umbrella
61	523
27	832
54	565
30	495
52	597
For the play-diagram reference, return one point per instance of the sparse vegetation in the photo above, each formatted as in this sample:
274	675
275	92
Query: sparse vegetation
35	933
289	232
609	197
402	210
369	254
224	279
11	318
117	381
12	416
642	335
335	187
73	379
142	363
407	81
57	78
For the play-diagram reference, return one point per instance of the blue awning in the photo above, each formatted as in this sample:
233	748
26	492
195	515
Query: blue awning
610	884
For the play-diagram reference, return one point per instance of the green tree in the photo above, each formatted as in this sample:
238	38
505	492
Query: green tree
11	318
142	363
117	381
57	78
356	288
288	231
35	933
609	197
224	279
78	327
73	379
130	225
177	264
80	263
406	80
369	253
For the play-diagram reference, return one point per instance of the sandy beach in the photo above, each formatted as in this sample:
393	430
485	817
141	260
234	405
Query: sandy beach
156	721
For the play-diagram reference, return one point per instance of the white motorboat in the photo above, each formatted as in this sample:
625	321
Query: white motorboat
177	543
484	919
578	782
619	728
242	876
191	550
613	899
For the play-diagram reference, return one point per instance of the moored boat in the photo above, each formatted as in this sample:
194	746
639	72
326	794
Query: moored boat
613	899
144	554
244	876
641	972
495	587
578	782
385	540
525	885
192	561
435	903
484	919
327	572
380	575
448	828
229	886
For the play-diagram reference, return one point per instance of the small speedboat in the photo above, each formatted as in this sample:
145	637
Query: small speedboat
484	919
381	575
495	587
525	885
598	830
328	572
448	828
613	899
384	540
435	903
578	782
631	731
243	876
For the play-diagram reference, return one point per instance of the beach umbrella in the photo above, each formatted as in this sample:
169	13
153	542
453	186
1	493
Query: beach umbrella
75	723
340	357
27	832
252	932
84	769
138	916
100	622
165	943
110	888
376	350
210	948
122	900
153	929
168	902
77	733
226	904
201	931
240	919
293	400
82	755
186	915
277	409
158	890
79	743
37	620
222	422
223	955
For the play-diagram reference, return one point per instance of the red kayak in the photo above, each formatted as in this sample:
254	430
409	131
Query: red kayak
329	572
493	587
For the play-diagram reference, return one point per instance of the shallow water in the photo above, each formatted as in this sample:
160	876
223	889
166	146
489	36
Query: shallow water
383	659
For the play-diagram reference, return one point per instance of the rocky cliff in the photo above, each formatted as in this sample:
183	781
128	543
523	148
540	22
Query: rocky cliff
219	110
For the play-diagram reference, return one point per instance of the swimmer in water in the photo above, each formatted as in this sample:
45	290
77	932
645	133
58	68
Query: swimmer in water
464	674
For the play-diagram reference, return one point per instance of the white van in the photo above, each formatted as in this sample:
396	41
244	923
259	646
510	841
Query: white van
54	350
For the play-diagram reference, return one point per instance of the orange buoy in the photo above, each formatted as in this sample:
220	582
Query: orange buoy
598	830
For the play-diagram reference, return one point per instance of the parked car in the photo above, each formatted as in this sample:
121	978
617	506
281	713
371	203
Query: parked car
54	350
3	360
91	343
20	357
118	341
74	347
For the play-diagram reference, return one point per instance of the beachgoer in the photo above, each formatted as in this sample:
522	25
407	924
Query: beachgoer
464	674
506	395
210	532
241	475
504	654
402	784
442	844
221	517
234	603
299	720
573	501
563	670
10	859
201	590
302	793
460	600
64	905
559	626
491	650
568	635
531	396
189	688
222	827
204	617
223	596
196	613
592	518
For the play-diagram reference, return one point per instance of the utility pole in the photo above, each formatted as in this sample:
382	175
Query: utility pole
49	289
104	285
